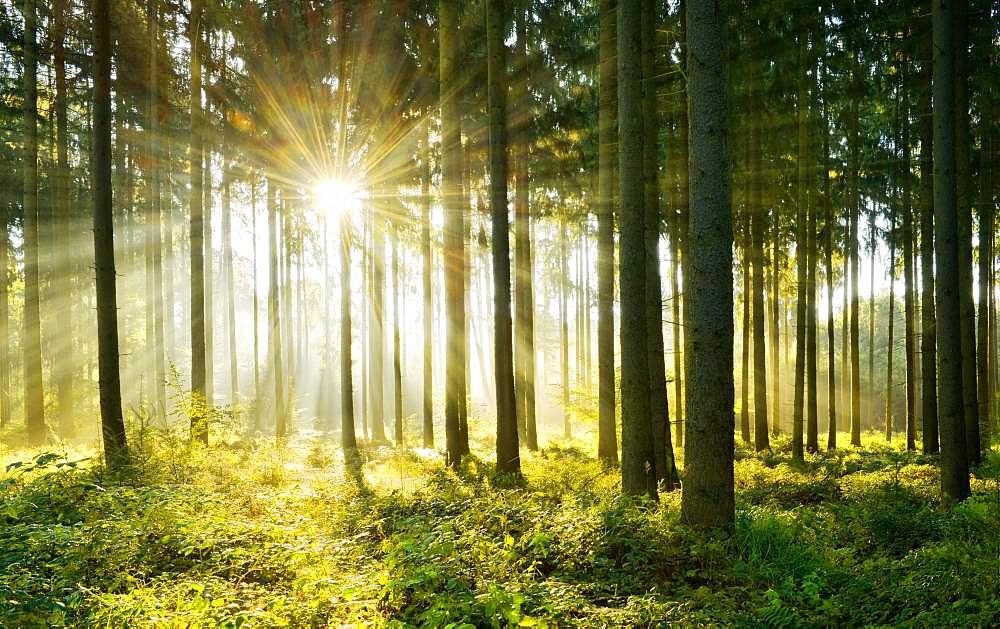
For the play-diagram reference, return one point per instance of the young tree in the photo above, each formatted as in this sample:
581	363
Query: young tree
112	425
708	498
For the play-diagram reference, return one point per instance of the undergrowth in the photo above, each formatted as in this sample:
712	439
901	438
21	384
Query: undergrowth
250	534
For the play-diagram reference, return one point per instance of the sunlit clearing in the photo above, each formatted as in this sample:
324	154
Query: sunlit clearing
337	195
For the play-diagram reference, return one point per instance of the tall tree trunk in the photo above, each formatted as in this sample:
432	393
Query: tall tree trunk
428	296
665	469
607	123
831	439
909	298
963	199
707	500
377	383
985	351
954	461
199	379
62	264
451	190
154	225
638	464
227	269
5	362
275	354
255	304
34	399
564	328
745	365
508	458
889	419
397	367
928	318
524	352
757	221
854	209
801	248
112	424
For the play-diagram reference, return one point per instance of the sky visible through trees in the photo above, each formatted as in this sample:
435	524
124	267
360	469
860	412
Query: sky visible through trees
672	246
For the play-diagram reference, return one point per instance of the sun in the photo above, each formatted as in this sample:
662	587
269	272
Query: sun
337	195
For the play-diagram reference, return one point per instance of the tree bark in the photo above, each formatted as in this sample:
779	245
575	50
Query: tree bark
708	500
199	379
112	424
607	154
954	461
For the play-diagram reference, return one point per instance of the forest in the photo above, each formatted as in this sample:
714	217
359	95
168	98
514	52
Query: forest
499	313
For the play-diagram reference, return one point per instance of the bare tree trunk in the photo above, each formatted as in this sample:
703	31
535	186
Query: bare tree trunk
607	440
112	424
707	500
199	378
954	460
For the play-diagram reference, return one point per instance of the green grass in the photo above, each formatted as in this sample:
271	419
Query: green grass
247	534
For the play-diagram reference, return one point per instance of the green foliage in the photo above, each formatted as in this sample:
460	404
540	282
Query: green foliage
249	534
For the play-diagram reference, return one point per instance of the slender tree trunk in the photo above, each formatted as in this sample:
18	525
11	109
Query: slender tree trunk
854	208
5	362
377	383
801	250
963	186
831	439
62	264
745	365
607	440
274	313
928	318
428	296
154	227
34	400
255	305
663	452
707	500
954	460
564	328
199	378
451	189
397	367
638	464
985	351
227	269
889	419
757	220
909	296
524	353
508	458
112	424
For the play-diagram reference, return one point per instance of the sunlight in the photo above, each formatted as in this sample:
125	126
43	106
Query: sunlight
340	196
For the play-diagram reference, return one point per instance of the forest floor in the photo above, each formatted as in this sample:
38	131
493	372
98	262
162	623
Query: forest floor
247	534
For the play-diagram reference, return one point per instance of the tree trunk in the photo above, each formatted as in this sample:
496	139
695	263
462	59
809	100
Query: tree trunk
757	221
397	367
428	294
954	461
801	250
963	185
745	365
928	318
508	458
831	439
34	399
451	190
199	379
524	352
62	264
892	319
909	298
708	500
607	123
637	440
276	355
564	328
255	305
665	470
854	209
112	424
